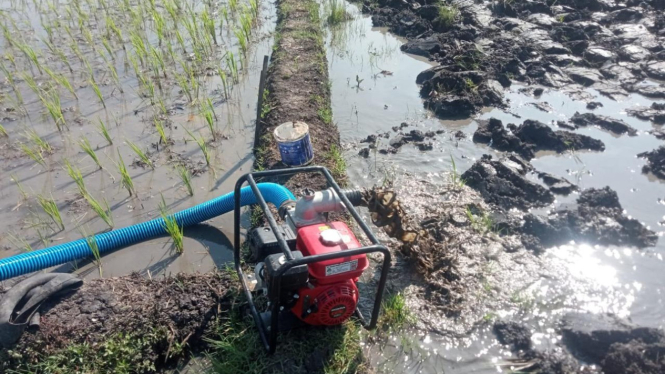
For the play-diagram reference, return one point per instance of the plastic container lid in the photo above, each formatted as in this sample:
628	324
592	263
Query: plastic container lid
291	131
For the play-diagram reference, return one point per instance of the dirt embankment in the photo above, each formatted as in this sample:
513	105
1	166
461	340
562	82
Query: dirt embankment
299	90
127	323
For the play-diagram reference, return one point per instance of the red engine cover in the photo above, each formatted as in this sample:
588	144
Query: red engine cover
327	305
331	237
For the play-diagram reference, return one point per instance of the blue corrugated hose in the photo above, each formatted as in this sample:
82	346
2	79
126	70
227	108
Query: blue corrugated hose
60	254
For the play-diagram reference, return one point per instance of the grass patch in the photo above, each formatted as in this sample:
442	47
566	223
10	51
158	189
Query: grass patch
236	348
325	114
337	163
3	132
482	223
447	16
122	353
396	314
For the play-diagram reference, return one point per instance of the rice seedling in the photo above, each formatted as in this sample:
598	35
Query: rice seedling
455	178
51	208
98	92
84	143
246	24
254	6
114	75
186	178
52	104
171	226
3	132
94	249
108	48
126	179
36	156
40	143
61	80
209	25
30	81
200	141
76	175
242	41
110	25
233	4
24	194
157	60
231	63
31	55
142	155
20	243
10	78
103	211
209	116
336	12
222	76
160	130
225	14
104	131
184	86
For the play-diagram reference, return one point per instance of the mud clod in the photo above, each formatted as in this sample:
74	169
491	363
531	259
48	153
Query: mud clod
610	124
598	218
544	138
530	137
590	336
655	113
635	357
503	183
513	334
561	186
655	162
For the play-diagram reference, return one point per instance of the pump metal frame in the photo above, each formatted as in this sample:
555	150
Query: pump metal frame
269	334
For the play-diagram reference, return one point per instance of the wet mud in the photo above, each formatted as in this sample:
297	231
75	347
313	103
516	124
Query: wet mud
482	47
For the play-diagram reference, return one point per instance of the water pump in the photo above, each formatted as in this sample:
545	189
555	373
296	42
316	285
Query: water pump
308	266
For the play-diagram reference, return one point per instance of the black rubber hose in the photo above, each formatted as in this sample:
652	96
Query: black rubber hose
354	196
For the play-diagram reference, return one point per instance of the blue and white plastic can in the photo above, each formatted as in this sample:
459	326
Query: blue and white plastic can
294	143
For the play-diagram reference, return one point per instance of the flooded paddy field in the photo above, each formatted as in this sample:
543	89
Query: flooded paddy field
388	134
114	111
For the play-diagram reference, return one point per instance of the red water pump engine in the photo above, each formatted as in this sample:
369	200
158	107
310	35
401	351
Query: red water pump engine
308	267
321	293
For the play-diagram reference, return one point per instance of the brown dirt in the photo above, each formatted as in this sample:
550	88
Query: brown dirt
177	311
299	91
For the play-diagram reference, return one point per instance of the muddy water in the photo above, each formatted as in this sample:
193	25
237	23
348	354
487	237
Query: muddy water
128	117
594	278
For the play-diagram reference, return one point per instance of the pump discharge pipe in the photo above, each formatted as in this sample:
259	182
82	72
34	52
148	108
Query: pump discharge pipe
45	258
